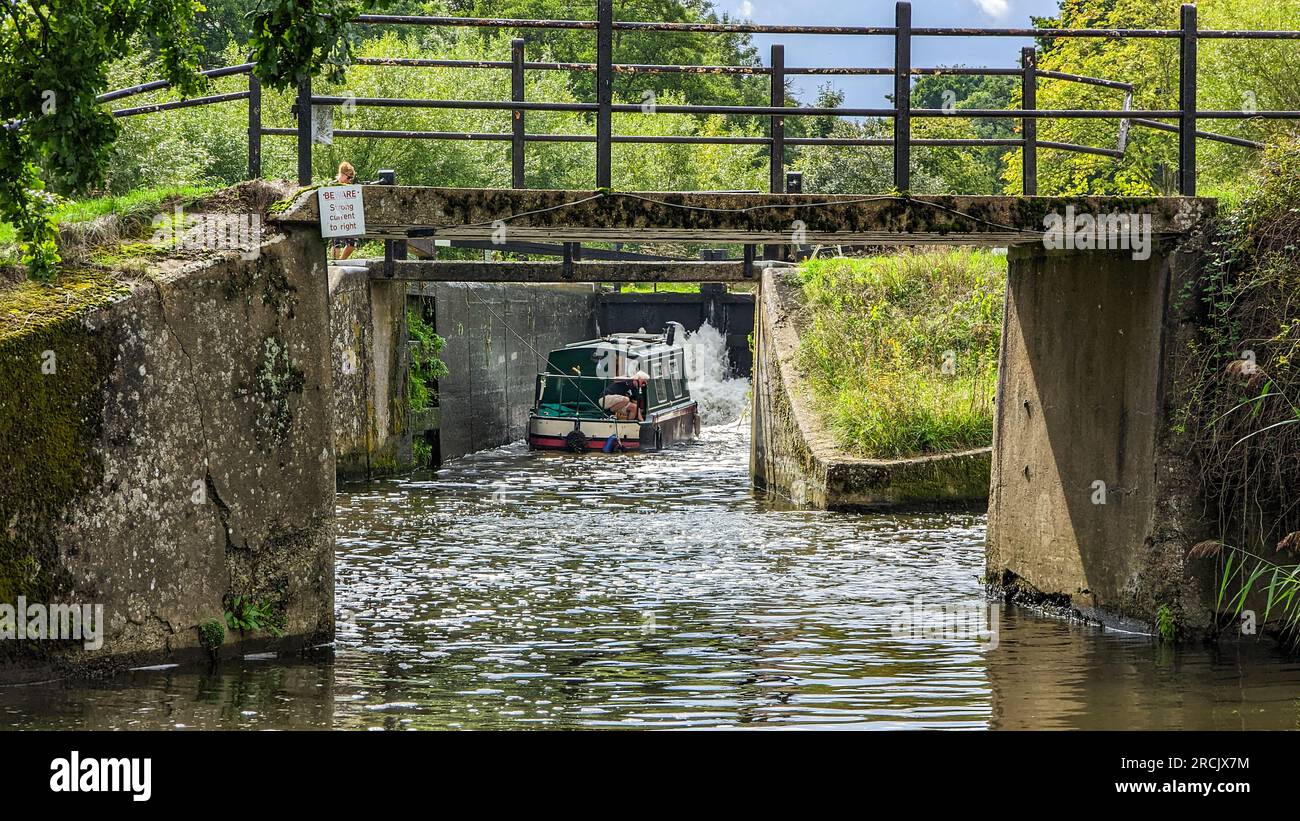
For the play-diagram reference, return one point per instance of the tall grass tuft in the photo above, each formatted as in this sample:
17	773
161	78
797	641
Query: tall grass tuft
902	349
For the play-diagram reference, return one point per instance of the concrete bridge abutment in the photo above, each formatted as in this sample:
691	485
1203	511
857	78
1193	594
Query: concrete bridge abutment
1091	505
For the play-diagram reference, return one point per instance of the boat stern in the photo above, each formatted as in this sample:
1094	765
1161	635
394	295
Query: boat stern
581	435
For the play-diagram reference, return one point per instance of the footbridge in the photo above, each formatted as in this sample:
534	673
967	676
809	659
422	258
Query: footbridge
503	216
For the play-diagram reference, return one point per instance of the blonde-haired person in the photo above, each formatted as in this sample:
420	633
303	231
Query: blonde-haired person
344	246
625	398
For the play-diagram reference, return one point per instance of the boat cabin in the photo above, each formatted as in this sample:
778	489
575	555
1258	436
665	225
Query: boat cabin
568	412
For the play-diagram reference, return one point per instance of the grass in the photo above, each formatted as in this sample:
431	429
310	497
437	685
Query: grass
901	350
661	287
136	203
140	205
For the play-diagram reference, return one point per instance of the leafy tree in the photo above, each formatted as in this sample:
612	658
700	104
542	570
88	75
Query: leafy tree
652	48
968	91
54	57
294	40
962	170
1232	75
828	96
194	145
1151	64
221	23
869	169
837	169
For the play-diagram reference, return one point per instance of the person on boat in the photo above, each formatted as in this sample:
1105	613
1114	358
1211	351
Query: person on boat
344	246
625	398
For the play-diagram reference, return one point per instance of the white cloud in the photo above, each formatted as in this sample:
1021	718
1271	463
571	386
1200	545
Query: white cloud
746	9
994	8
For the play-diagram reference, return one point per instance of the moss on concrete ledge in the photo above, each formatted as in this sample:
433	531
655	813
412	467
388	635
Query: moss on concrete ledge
27	306
53	370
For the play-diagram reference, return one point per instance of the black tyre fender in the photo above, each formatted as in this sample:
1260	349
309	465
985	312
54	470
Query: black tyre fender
575	441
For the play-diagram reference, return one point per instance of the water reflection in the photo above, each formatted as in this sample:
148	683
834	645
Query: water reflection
518	590
1050	675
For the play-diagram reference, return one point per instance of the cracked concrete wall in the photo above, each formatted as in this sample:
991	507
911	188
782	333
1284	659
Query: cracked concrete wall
202	466
1092	506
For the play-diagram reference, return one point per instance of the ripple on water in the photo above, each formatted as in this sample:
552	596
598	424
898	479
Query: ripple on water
517	589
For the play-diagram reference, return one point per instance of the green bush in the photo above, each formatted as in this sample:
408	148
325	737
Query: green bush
1241	410
204	144
901	350
426	368
212	634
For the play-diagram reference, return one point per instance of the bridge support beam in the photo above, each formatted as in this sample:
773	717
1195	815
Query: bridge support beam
1090	504
575	271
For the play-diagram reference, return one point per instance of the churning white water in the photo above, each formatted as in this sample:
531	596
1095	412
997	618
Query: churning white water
721	400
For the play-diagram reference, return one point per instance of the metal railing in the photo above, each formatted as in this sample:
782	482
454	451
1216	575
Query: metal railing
1186	116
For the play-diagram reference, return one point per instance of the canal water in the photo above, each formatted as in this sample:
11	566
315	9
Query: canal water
516	590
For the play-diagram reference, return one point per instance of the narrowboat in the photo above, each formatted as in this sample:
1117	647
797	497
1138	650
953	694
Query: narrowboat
568	411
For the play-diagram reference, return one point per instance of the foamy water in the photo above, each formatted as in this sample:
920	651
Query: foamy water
721	400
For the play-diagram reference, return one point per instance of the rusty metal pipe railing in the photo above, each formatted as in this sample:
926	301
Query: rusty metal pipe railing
604	27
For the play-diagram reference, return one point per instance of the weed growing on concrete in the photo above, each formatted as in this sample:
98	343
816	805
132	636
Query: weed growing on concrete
426	367
1165	625
902	349
246	615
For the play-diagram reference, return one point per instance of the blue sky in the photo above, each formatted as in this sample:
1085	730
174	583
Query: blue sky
817	50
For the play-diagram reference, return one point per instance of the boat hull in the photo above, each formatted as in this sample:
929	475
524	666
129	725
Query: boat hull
664	428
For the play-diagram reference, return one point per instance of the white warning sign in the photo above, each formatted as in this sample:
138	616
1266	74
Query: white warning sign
342	213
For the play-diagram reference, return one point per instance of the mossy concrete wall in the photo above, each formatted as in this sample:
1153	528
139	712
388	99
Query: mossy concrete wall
793	456
497	338
371	362
177	454
1092	505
